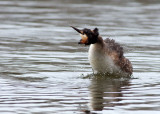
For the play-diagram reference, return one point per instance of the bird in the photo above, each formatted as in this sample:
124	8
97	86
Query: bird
105	56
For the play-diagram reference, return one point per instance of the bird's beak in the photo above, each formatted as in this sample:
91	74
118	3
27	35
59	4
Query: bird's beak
84	37
79	31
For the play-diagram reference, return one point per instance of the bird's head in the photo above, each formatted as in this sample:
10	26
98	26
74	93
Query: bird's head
88	36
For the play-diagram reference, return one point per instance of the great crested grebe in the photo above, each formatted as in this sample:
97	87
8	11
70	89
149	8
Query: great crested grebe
105	56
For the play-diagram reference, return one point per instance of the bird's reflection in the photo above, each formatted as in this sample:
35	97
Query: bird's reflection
105	91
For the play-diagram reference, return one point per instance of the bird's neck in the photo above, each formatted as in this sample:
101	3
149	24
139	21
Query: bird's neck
99	44
100	40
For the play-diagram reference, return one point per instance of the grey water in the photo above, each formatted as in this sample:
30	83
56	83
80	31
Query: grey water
43	70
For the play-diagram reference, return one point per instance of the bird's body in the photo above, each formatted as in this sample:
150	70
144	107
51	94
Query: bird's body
99	60
105	56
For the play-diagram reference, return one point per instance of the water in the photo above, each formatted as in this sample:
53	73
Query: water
44	70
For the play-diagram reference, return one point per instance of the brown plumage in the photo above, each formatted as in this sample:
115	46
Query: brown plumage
116	52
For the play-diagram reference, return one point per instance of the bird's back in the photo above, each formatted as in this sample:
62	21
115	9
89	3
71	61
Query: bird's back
115	51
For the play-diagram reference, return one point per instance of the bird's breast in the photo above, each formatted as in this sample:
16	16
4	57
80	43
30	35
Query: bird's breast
100	61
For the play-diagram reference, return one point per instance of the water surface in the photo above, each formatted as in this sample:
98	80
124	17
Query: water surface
44	70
